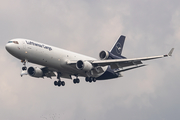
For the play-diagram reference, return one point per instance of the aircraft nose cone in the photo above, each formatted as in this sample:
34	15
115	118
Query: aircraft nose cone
9	48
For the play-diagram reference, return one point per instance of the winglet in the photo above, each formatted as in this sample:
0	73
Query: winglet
171	51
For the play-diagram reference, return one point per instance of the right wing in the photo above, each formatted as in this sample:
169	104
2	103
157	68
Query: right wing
46	72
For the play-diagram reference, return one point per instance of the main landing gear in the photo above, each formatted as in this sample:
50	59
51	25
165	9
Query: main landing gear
76	80
90	79
59	82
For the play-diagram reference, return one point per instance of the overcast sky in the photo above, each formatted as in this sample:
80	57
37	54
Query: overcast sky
151	27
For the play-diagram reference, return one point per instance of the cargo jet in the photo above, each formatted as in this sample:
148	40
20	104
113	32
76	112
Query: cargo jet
65	64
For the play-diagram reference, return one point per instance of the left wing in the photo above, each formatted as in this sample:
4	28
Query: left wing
119	63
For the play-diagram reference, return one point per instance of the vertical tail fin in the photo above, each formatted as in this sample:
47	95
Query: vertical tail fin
118	47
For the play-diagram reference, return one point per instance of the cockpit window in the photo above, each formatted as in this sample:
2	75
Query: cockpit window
10	42
16	42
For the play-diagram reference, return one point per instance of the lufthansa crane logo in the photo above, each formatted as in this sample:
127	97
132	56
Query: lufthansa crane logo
118	48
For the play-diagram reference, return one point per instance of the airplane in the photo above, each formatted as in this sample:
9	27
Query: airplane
65	64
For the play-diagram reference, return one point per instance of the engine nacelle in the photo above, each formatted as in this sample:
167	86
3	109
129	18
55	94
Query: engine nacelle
104	55
84	65
35	72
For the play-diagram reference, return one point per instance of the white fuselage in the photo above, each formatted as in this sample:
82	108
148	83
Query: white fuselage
52	57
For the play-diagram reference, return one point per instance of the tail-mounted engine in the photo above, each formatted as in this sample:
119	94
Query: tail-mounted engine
84	65
35	72
104	55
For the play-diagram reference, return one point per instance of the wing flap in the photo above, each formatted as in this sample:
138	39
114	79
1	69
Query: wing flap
47	72
98	70
123	70
50	74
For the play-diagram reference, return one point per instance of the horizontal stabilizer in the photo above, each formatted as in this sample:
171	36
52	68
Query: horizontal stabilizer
129	68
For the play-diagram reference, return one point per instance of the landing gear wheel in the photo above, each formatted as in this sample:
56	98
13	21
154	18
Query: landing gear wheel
90	80
63	83
87	79
24	68
76	81
59	83
55	83
94	80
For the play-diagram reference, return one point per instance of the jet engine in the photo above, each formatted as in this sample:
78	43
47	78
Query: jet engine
35	72
104	55
84	65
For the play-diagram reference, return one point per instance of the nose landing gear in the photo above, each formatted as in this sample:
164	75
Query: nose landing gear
24	63
24	69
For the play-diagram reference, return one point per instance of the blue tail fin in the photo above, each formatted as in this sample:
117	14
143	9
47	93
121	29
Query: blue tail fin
118	47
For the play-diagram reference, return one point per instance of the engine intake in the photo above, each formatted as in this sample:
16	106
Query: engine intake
35	72
84	65
104	55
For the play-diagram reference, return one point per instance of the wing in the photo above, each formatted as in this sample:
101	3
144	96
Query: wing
120	63
47	72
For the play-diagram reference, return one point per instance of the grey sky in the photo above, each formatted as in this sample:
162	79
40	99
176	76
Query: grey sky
152	27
